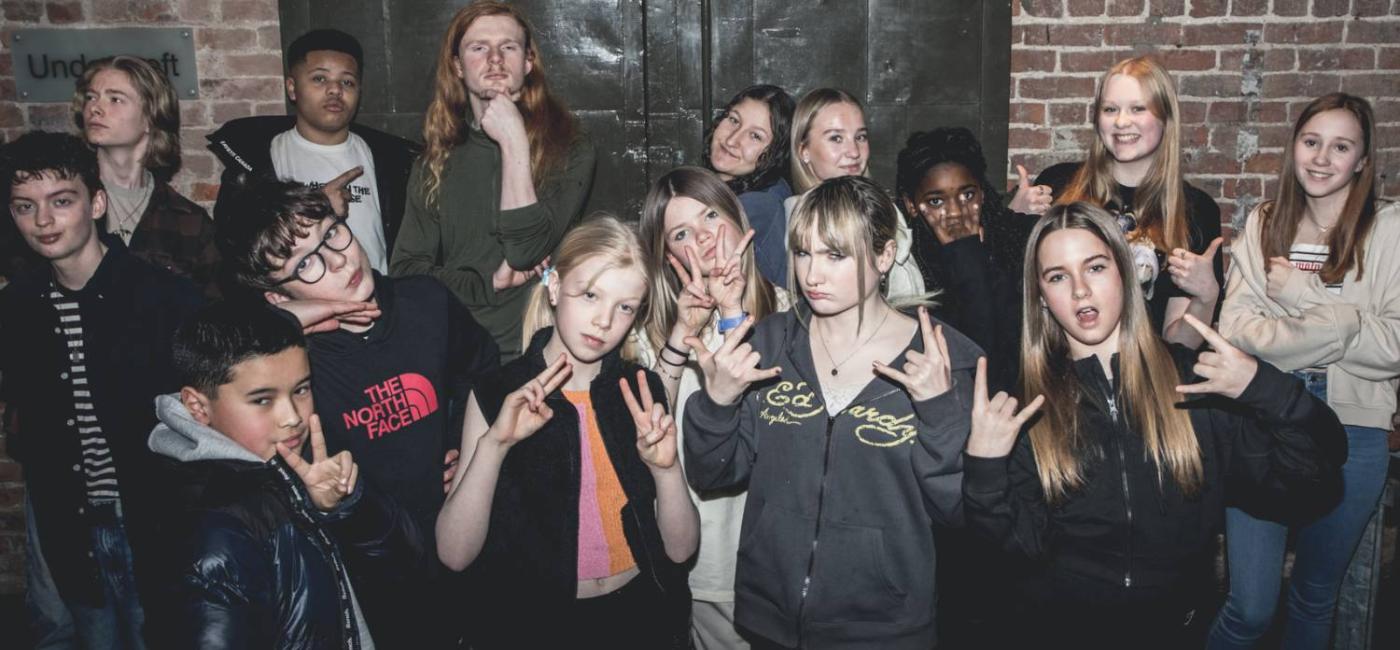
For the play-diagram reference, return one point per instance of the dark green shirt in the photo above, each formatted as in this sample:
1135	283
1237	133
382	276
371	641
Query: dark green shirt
461	238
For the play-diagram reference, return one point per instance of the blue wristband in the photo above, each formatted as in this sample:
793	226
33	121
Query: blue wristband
726	324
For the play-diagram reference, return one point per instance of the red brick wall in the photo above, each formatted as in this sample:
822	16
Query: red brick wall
1244	69
238	51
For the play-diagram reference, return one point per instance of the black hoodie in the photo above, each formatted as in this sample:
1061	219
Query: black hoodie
837	546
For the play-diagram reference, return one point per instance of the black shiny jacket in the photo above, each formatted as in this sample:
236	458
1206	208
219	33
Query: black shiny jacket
251	563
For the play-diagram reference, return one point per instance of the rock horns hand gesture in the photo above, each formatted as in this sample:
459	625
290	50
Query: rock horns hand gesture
926	374
656	429
1227	370
327	480
995	422
730	369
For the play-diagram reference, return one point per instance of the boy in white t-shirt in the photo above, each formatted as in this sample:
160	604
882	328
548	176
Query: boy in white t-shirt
320	145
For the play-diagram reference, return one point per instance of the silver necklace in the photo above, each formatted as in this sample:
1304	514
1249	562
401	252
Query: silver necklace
1320	228
836	366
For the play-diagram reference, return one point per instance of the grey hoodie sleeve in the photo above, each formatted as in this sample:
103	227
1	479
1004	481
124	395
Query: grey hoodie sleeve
937	458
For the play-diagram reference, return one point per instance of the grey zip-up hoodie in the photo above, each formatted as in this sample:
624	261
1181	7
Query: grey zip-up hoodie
836	549
179	436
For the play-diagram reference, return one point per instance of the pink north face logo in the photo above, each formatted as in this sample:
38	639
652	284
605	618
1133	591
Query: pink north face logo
395	403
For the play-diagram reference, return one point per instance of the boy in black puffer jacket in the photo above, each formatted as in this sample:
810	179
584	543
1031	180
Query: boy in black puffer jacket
265	543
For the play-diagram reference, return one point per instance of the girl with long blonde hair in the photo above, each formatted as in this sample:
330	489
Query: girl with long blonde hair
845	417
505	170
1116	489
1312	289
572	512
705	281
1134	171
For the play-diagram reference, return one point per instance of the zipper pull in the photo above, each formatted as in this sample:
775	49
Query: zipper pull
1113	409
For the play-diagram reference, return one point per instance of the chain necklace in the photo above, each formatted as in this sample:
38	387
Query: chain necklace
836	366
128	215
1320	228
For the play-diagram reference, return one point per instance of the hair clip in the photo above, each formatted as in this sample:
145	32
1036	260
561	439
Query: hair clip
544	275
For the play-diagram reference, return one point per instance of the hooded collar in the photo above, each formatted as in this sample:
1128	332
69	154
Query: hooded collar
179	436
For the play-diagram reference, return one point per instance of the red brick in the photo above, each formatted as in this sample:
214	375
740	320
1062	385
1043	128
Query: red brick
225	39
1300	84
1351	58
1234	188
1166	7
9	470
1176	59
1227	111
1042	8
1276	59
1029	34
1264	163
1220	34
1142	34
1208	184
1209	85
10	499
10	115
1126	7
251	10
1329	8
1024	60
1271	112
1069	114
1388	59
1249	7
50	117
1208	8
247	88
1018	138
1270	186
1192	112
1085	7
1055	87
1205	162
195	11
1096	61
257	65
1074	35
270	37
1307	33
1277	135
64	12
270	108
1195	136
1290	7
160	11
225	111
1027	113
1371	31
1374	84
1371	7
111	10
24	11
199	165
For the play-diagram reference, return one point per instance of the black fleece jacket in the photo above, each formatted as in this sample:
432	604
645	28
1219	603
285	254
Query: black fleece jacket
1276	452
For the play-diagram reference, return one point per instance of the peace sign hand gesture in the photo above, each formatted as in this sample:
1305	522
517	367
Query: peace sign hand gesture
995	422
656	429
524	411
726	280
694	304
926	374
1227	370
327	480
730	369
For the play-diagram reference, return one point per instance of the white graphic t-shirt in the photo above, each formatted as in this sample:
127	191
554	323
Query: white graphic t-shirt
301	160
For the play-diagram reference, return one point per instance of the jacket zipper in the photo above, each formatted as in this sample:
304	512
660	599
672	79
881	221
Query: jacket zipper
1127	493
817	533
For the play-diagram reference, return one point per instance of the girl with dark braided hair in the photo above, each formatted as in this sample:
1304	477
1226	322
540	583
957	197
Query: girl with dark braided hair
968	245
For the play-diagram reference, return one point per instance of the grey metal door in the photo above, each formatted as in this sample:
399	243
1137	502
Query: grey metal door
644	76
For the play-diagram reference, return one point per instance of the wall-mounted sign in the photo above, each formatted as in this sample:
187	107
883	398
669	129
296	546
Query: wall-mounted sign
47	62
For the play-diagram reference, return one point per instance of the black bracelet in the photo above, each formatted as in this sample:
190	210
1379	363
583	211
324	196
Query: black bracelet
665	374
668	347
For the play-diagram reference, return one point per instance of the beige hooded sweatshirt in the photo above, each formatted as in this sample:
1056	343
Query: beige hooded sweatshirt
1354	335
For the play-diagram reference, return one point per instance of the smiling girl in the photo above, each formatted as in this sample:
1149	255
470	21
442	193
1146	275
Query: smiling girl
1115	491
747	147
1134	172
1313	290
572	512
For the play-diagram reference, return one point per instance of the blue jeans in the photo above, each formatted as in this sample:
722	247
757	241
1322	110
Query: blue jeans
116	624
49	619
1322	552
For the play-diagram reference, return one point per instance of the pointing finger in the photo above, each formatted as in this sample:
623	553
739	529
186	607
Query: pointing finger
1211	336
645	389
979	385
318	440
632	406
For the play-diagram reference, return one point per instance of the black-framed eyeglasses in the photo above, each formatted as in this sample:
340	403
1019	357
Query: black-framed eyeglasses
312	266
